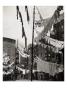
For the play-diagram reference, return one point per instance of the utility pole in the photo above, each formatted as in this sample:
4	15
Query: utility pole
32	56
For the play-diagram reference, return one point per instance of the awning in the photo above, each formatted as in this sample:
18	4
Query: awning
54	42
49	67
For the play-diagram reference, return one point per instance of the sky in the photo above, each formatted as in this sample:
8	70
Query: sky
12	27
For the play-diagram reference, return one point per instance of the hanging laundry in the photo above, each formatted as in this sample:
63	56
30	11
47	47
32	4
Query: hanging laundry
20	17
21	20
17	7
23	32
26	9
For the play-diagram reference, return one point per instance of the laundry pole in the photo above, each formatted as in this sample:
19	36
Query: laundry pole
32	58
